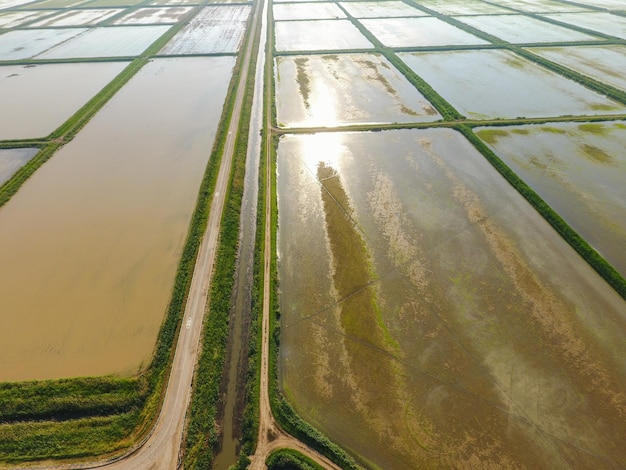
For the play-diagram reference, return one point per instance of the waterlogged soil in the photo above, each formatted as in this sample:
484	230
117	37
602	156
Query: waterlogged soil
13	19
90	244
116	41
579	170
418	32
605	23
523	29
24	44
463	7
78	17
431	318
329	90
542	6
12	160
154	15
62	95
215	29
605	63
504	85
318	35
386	9
307	11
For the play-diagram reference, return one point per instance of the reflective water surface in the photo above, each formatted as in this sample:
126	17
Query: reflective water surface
90	244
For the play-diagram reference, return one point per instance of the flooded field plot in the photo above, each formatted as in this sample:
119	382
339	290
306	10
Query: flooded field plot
17	45
432	319
579	170
307	11
504	85
542	6
604	63
57	4
63	95
384	9
78	17
114	3
617	5
214	29
116	41
17	18
12	160
418	32
462	7
602	22
319	35
12	3
154	15
330	90
90	244
523	29
175	2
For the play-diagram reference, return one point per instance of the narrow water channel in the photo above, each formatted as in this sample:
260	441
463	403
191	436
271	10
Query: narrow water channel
236	358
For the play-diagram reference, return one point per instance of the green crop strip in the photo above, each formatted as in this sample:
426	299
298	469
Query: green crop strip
289	459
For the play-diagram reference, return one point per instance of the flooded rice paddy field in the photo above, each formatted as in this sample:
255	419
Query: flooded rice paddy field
523	29
504	85
382	9
14	19
446	324
12	160
154	15
605	63
418	32
85	17
579	170
318	35
605	23
542	6
90	244
115	41
63	95
330	90
307	11
215	29
24	44
463	7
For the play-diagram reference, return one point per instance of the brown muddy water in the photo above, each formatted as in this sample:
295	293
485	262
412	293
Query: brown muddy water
90	244
63	95
430	317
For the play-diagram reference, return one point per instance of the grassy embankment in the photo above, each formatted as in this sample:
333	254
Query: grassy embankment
86	417
289	459
203	432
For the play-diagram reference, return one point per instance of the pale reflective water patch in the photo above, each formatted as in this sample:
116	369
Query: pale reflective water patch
154	15
313	11
318	35
523	29
579	170
11	20
543	6
62	95
89	246
12	160
413	32
214	29
463	7
328	90
78	17
384	9
24	44
503	85
468	332
606	23
605	63
116	41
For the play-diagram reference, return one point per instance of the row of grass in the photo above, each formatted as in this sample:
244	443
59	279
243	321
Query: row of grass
88	417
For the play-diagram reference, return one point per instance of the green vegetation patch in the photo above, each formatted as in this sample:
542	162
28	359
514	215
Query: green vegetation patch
596	154
491	136
593	128
302	77
289	459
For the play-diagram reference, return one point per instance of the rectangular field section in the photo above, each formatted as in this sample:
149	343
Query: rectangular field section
330	90
215	29
504	85
90	245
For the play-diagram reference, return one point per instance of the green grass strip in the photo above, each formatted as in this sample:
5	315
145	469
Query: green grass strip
290	459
